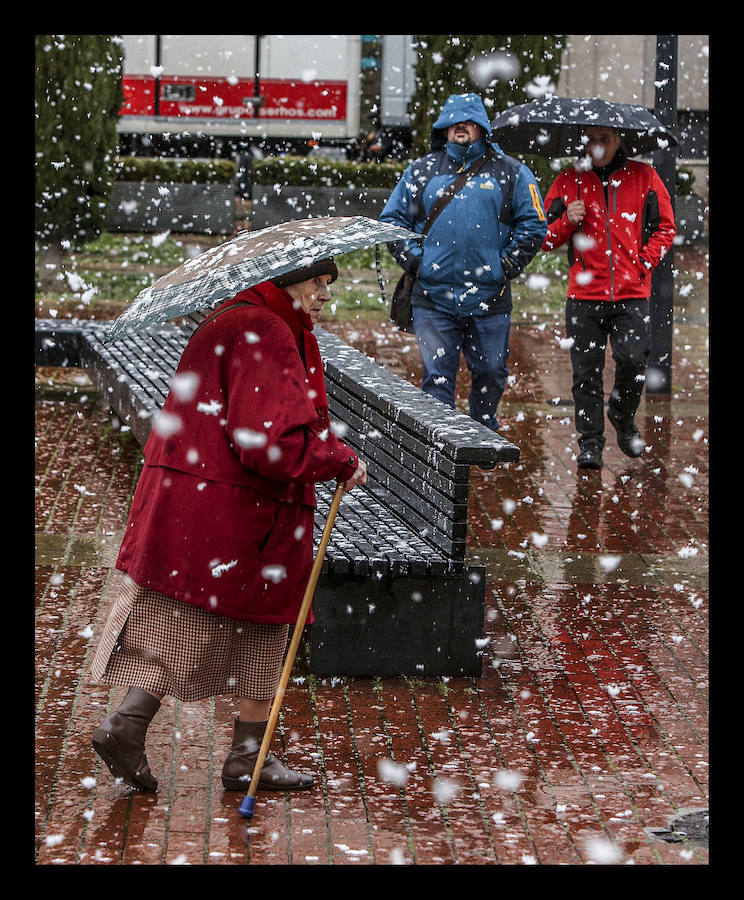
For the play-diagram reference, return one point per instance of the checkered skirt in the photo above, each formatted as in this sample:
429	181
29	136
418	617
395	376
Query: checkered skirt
168	647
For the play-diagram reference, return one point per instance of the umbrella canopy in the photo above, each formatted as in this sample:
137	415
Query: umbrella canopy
554	126
248	259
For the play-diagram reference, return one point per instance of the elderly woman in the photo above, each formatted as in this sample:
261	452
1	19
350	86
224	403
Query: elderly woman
219	542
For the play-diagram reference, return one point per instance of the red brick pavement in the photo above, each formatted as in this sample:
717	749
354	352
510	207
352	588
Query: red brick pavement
583	739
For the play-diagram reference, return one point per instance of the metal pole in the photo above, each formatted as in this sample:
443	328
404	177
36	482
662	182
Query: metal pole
157	77
659	373
257	81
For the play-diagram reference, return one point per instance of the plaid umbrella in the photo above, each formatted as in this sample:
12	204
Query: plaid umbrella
554	126
247	259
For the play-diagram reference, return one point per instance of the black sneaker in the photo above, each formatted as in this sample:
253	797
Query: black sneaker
629	439
590	458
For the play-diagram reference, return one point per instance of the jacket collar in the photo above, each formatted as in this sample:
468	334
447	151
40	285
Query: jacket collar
462	155
283	304
618	162
280	302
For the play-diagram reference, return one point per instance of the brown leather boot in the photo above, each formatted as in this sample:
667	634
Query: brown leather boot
120	740
241	760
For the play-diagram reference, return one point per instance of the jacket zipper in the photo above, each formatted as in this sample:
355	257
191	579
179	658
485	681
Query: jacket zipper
606	210
581	258
609	245
578	251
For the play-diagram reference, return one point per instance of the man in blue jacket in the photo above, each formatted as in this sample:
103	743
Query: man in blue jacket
482	239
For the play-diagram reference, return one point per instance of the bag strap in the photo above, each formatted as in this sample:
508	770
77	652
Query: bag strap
219	312
455	186
442	201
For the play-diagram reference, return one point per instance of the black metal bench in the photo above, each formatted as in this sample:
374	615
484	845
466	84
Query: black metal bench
396	595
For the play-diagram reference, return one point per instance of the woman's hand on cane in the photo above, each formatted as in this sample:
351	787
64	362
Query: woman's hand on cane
359	477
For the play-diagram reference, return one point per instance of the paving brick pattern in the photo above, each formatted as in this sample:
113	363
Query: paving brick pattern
583	739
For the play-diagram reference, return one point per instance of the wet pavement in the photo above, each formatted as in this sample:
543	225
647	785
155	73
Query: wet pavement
585	741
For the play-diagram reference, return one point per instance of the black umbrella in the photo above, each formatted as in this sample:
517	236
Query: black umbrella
554	127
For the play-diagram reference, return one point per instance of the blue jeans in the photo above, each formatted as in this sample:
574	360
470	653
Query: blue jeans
484	341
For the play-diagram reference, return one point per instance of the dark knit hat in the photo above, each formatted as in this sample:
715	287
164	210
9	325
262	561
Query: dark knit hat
321	267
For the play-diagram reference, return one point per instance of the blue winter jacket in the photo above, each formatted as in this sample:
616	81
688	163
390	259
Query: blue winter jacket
486	234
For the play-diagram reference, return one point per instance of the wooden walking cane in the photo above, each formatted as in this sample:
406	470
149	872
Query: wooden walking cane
249	801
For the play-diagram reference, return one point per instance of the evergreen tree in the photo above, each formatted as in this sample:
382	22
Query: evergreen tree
443	69
78	97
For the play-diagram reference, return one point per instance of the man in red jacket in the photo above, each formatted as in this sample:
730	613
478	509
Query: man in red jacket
616	217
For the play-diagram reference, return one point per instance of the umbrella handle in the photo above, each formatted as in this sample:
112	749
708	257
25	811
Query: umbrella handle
248	803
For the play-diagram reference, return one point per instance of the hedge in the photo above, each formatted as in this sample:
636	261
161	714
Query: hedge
187	171
318	171
302	171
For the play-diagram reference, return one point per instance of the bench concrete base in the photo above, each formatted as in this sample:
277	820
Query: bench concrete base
269	206
140	206
398	627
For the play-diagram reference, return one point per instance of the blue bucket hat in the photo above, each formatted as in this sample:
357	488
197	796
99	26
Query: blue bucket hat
459	108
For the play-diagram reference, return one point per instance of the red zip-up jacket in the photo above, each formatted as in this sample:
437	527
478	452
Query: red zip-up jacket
621	239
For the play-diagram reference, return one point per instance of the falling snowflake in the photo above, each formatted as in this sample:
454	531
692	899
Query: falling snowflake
275	573
392	772
248	439
602	851
167	424
508	780
184	386
444	789
609	563
687	552
219	569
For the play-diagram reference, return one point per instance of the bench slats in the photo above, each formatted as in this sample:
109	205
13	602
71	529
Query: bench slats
370	429
373	538
459	436
412	516
401	473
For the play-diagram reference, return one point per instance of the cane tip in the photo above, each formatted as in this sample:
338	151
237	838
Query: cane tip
246	807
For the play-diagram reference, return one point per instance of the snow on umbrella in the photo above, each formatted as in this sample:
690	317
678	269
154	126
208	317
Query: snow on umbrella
554	126
248	259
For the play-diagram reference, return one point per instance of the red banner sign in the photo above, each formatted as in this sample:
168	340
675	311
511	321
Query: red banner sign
222	98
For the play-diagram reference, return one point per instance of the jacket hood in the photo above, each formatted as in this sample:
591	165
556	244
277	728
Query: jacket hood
459	108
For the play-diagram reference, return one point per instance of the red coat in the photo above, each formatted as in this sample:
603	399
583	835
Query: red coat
222	516
620	242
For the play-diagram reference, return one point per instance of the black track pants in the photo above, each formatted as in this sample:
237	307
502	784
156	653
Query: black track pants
590	323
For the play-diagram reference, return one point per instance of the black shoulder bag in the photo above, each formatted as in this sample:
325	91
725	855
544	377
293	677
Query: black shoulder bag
400	307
